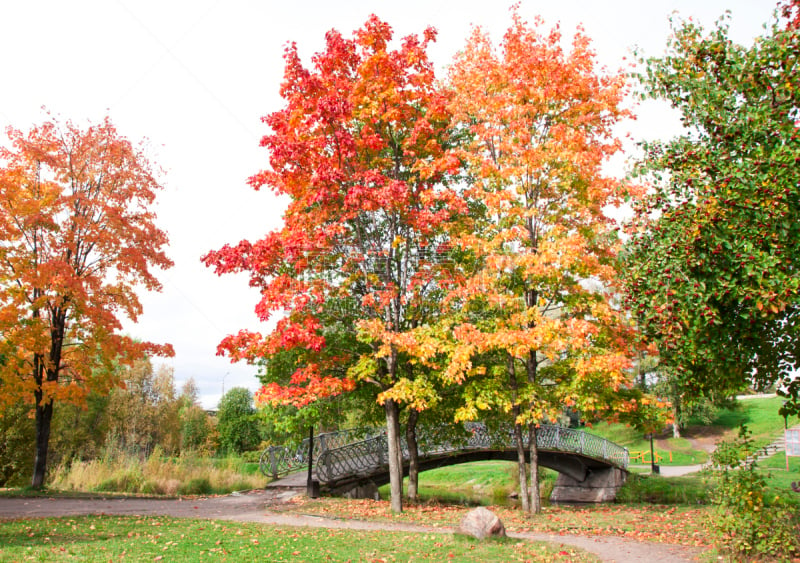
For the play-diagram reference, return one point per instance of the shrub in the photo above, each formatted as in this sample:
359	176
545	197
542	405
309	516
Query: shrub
196	486
127	480
748	525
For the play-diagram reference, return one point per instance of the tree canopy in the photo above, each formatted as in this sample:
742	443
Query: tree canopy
712	258
79	240
539	121
359	149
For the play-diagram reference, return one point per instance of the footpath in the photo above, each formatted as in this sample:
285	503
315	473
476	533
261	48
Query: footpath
254	506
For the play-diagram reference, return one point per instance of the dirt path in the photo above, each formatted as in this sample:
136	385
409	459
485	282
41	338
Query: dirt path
254	506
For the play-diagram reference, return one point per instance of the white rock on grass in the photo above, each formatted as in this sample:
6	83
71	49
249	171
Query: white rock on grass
482	523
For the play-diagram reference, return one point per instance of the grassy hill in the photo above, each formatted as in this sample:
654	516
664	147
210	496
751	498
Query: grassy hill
490	482
759	414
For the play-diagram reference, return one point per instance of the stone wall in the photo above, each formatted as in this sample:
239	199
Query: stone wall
600	485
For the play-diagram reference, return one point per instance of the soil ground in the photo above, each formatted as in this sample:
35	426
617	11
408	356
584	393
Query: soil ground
703	438
254	506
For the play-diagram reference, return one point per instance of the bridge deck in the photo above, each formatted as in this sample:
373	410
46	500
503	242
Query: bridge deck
356	455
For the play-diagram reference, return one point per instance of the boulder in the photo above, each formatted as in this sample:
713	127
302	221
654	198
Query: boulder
482	523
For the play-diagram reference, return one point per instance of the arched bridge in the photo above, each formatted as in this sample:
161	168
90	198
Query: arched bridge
591	468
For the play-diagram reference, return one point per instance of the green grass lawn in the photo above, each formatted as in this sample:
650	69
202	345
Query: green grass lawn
681	450
778	462
106	538
759	414
685	525
761	417
480	482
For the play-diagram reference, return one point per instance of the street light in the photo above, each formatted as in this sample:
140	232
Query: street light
653	467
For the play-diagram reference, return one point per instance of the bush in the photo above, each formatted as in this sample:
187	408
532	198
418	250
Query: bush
124	481
16	449
252	456
748	525
197	486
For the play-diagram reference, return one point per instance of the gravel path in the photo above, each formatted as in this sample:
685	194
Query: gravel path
254	506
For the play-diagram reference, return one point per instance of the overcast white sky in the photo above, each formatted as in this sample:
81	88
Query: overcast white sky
195	77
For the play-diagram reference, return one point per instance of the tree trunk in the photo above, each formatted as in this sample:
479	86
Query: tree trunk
44	416
395	454
522	473
44	407
413	454
676	415
532	365
516	411
533	447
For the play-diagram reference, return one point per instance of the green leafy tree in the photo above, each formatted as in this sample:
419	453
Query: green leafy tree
79	433
712	260
16	435
237	423
290	422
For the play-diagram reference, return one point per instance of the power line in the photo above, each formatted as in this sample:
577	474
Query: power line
168	51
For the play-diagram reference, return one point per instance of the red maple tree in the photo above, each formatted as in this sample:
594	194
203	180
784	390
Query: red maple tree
359	149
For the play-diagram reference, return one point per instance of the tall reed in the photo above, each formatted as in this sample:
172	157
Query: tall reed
117	471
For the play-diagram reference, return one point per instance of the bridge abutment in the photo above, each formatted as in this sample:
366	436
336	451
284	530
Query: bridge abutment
360	489
600	485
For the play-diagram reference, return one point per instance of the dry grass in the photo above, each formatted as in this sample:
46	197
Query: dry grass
156	475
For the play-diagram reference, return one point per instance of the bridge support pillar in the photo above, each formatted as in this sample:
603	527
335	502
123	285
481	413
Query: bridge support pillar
362	489
600	485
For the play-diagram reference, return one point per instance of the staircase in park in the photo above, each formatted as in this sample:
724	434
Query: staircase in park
779	445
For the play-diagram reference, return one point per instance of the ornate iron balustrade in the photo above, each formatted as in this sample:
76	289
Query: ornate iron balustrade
277	461
336	455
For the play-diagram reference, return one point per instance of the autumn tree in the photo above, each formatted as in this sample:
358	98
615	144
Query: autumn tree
143	412
358	150
711	265
337	319
538	297
790	11
79	240
197	429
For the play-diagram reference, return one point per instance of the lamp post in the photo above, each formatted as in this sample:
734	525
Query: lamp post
785	435
653	467
312	489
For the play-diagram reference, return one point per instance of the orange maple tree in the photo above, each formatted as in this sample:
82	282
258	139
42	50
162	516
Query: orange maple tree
359	149
540	120
79	240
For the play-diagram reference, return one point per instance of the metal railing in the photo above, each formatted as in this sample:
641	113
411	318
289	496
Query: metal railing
361	452
277	461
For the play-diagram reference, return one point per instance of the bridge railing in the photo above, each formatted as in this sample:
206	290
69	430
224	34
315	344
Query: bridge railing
277	461
363	457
